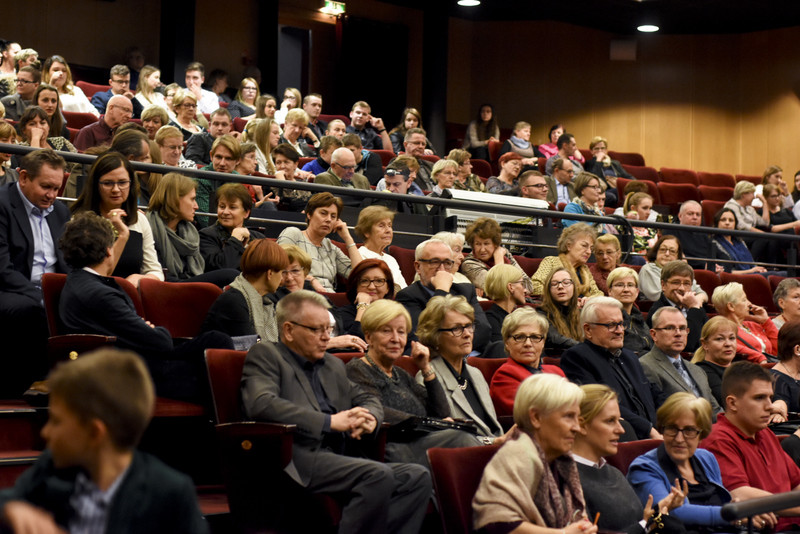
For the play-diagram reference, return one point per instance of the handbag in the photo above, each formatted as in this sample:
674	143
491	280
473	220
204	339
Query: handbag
415	427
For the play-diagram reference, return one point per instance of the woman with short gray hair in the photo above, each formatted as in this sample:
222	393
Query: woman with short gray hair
787	299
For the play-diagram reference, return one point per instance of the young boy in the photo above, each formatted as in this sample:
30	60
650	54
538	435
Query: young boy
91	478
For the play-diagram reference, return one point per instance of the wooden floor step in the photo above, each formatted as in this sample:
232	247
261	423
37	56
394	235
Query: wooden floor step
20	426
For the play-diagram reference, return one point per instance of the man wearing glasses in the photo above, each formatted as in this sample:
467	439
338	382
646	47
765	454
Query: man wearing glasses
559	185
296	382
600	359
27	81
120	82
677	278
118	112
342	174
664	366
433	263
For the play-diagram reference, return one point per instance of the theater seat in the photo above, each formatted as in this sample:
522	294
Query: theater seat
239	124
710	208
338	299
673	195
386	156
716	179
487	366
430	157
652	189
753	179
708	280
328	118
529	265
756	287
405	259
181	307
627	158
481	167
629	451
642	173
723	194
774	281
678	176
89	89
78	120
456	475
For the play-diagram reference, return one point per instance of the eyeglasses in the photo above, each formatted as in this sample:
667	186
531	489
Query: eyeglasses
560	283
595	149
665	250
345	167
458	331
672	328
189	106
122	184
688	432
522	338
23	82
598	187
610	326
292	272
436	262
316	330
680	283
248	88
537	186
378	282
122	82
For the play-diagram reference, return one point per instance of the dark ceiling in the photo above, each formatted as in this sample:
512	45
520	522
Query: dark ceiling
623	16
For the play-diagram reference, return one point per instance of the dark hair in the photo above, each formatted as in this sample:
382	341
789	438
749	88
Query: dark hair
739	376
89	199
484	130
676	268
359	270
57	120
401	126
564	139
28	115
86	240
323	200
234	191
652	252
483	228
195	65
32	162
262	255
723	211
788	339
328	141
566	319
351	139
286	150
553	128
36	73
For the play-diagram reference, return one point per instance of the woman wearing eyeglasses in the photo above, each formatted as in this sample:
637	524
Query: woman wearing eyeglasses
245	103
111	190
574	250
623	285
375	226
185	105
666	249
447	327
560	305
524	332
684	420
588	191
369	281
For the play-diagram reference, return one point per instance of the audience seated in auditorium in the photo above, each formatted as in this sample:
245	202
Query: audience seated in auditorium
244	105
751	460
588	191
27	81
733	248
328	260
447	328
562	308
119	110
93	303
532	481
367	163
533	184
505	287
636	186
386	326
567	149
342	174
756	334
225	155
411	118
606	168
550	149
559	182
389	497
57	73
198	147
336	128
484	238
247	167
574	250
369	281
520	142
153	118
608	496
433	260
8	49
773	175
7	135
291	100
120	82
46	97
322	163
218	84
265	106
787	388
510	164
375	226
623	285
403	163
31	222
608	255
465	179
223	243
134	59
247	307
695	244
601	359
684	420
400	181
716	352
206	101
101	403
444	176
665	250
146	88
638	206
312	105
781	218
286	159
414	144
185	105
787	300
111	190
297	275
523	338
34	130
455	241
170	142
664	366
266	134
370	129
296	131
480	131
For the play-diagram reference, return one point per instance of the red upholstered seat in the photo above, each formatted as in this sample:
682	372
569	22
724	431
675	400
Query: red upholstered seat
405	259
89	89
239	124
487	366
627	158
708	280
774	281
338	299
386	156
753	179
586	153
678	176
181	308
629	451
433	158
303	160
673	195
642	172
481	167
328	118
756	287
723	194
716	179
78	120
652	188
529	265
710	208
456	475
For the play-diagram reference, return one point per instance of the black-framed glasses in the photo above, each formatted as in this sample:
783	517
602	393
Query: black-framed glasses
610	326
345	167
23	82
672	328
560	283
458	331
436	262
122	82
110	184
688	432
522	338
537	186
316	330
378	282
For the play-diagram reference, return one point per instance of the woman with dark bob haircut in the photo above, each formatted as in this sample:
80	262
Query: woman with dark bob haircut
369	281
34	128
246	308
787	387
328	260
111	190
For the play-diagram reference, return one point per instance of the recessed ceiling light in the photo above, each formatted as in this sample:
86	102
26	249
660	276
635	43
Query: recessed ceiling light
648	28
469	3
331	7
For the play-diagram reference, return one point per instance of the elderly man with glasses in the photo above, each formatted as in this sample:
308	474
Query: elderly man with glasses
601	359
27	81
677	278
118	112
342	174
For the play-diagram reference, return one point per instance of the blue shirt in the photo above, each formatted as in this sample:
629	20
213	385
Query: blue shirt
44	250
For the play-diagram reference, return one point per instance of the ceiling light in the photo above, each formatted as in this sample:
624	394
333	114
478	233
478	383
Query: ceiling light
648	28
469	3
332	8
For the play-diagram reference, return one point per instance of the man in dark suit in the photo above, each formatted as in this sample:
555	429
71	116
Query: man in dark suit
296	382
433	259
560	188
664	366
676	290
91	478
600	359
695	244
31	221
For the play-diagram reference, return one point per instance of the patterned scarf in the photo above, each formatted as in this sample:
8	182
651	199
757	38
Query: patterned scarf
558	500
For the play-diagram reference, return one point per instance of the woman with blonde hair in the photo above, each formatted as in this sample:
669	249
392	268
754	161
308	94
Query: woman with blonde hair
505	287
574	249
291	100
756	334
267	136
638	206
57	73
444	174
465	179
375	226
606	168
560	305
520	142
185	105
773	175
149	81
244	105
607	254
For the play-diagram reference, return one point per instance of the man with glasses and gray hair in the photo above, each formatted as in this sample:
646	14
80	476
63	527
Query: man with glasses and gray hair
296	382
342	174
677	278
600	359
664	366
432	261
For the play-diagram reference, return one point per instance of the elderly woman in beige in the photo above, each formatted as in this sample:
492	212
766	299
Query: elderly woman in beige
574	250
483	237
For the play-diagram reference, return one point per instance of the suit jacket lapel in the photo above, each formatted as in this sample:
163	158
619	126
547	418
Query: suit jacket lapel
666	364
456	394
21	217
300	375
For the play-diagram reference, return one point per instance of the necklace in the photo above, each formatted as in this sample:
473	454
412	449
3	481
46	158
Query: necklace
393	377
